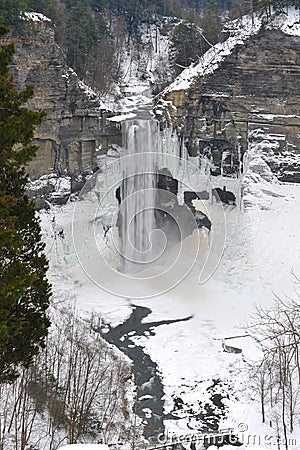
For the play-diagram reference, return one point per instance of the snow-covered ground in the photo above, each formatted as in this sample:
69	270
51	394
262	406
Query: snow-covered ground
254	263
144	64
85	447
147	63
258	261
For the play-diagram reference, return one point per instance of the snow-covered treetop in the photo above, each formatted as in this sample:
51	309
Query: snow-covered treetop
240	30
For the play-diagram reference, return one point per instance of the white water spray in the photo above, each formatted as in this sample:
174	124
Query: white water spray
137	210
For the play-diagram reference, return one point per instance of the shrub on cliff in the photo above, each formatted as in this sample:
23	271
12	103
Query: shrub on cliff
24	289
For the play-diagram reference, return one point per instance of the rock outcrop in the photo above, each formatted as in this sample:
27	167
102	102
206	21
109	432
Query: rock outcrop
254	93
75	131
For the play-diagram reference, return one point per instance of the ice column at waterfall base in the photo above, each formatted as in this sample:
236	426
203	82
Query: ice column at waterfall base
138	194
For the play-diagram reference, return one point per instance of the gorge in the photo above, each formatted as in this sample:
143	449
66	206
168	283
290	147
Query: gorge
170	218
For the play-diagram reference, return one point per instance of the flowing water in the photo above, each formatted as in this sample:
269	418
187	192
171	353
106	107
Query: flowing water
138	193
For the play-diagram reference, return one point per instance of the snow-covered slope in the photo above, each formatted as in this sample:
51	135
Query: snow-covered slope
147	63
36	17
240	30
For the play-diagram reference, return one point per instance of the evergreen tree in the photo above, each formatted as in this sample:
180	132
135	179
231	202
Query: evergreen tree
211	22
269	7
81	35
11	13
24	290
46	7
187	45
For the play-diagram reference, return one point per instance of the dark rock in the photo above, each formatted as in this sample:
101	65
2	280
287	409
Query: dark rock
179	221
118	194
215	173
230	349
166	182
201	219
189	196
224	196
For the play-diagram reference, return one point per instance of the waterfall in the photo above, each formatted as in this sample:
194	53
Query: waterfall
132	211
137	209
147	150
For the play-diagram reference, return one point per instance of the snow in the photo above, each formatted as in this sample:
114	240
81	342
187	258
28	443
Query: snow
240	31
90	92
55	186
114	102
36	17
142	64
289	23
122	117
256	264
105	102
84	447
277	116
147	63
257	261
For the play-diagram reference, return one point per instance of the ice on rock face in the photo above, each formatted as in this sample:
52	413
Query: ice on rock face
260	167
147	152
258	177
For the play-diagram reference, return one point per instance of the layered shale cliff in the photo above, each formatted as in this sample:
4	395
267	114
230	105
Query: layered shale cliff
249	93
75	132
253	94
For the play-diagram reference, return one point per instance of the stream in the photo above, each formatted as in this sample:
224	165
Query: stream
149	388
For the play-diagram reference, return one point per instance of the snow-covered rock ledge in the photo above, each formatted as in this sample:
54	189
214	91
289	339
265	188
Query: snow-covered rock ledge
35	16
240	31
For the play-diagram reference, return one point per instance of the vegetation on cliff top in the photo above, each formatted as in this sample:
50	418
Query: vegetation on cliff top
92	31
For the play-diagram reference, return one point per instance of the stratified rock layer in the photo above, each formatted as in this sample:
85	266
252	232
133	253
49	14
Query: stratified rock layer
75	131
256	87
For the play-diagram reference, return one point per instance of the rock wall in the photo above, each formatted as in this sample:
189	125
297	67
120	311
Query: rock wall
75	131
254	94
255	88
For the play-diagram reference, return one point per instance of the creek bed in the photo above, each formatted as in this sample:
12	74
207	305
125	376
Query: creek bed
149	395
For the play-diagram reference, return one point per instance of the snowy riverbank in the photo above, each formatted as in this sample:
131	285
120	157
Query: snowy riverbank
258	260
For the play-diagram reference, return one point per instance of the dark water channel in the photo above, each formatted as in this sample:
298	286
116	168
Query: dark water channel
149	404
149	388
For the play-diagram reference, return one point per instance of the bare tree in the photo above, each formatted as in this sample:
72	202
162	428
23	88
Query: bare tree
76	390
277	332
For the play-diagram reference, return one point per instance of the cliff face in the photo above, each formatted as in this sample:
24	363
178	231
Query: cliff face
75	131
253	94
